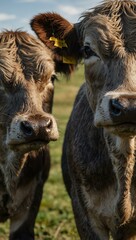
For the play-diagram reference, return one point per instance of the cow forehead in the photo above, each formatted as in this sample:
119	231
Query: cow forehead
112	23
24	56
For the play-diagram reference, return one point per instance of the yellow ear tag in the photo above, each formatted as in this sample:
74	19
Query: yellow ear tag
58	42
69	60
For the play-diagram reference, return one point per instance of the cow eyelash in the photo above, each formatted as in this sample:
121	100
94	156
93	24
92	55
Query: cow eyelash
88	52
53	78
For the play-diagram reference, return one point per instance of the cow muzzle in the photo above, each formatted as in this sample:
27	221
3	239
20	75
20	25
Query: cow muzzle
123	110
32	131
117	113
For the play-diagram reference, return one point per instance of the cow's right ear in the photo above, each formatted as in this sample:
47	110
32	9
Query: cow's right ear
61	37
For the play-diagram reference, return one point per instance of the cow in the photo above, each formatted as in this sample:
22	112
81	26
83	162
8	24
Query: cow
99	150
27	72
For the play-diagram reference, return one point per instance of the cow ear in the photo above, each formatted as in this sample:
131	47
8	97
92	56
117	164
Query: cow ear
61	37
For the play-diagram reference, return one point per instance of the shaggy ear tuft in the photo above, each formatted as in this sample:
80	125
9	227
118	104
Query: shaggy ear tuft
60	36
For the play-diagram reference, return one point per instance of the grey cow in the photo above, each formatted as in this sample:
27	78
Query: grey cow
27	73
98	160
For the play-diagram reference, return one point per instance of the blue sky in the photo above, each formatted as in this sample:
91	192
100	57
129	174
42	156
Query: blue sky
17	13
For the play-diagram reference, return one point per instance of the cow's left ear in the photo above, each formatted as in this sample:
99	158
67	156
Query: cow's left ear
61	37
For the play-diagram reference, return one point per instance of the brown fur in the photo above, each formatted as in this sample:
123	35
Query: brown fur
52	24
26	127
98	159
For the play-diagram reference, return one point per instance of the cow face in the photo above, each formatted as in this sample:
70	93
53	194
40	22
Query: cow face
26	94
110	74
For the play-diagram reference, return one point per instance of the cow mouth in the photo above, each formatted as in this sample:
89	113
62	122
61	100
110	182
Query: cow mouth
125	128
127	124
28	146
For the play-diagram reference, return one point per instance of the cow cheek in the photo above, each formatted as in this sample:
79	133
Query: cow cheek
94	84
92	94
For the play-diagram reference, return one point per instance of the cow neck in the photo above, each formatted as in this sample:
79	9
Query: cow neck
122	152
11	170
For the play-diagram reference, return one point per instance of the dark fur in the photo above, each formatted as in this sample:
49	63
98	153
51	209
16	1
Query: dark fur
52	24
98	160
27	125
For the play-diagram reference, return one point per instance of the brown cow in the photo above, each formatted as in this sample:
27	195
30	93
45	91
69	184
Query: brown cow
99	150
27	73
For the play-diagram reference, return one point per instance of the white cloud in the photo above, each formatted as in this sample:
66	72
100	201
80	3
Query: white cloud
5	16
70	10
32	1
28	1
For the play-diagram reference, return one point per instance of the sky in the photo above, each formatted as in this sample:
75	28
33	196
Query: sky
16	14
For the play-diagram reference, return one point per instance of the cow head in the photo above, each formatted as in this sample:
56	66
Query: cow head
109	56
105	39
27	74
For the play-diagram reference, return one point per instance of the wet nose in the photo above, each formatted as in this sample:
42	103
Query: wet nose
36	129
123	111
27	128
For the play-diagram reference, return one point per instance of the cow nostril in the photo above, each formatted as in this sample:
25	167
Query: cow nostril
115	107
48	123
26	128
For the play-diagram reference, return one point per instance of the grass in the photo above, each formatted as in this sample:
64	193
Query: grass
55	219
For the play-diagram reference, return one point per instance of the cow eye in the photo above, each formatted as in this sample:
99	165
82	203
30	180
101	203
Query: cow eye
88	52
53	78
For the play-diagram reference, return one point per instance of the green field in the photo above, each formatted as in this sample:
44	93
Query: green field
55	219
